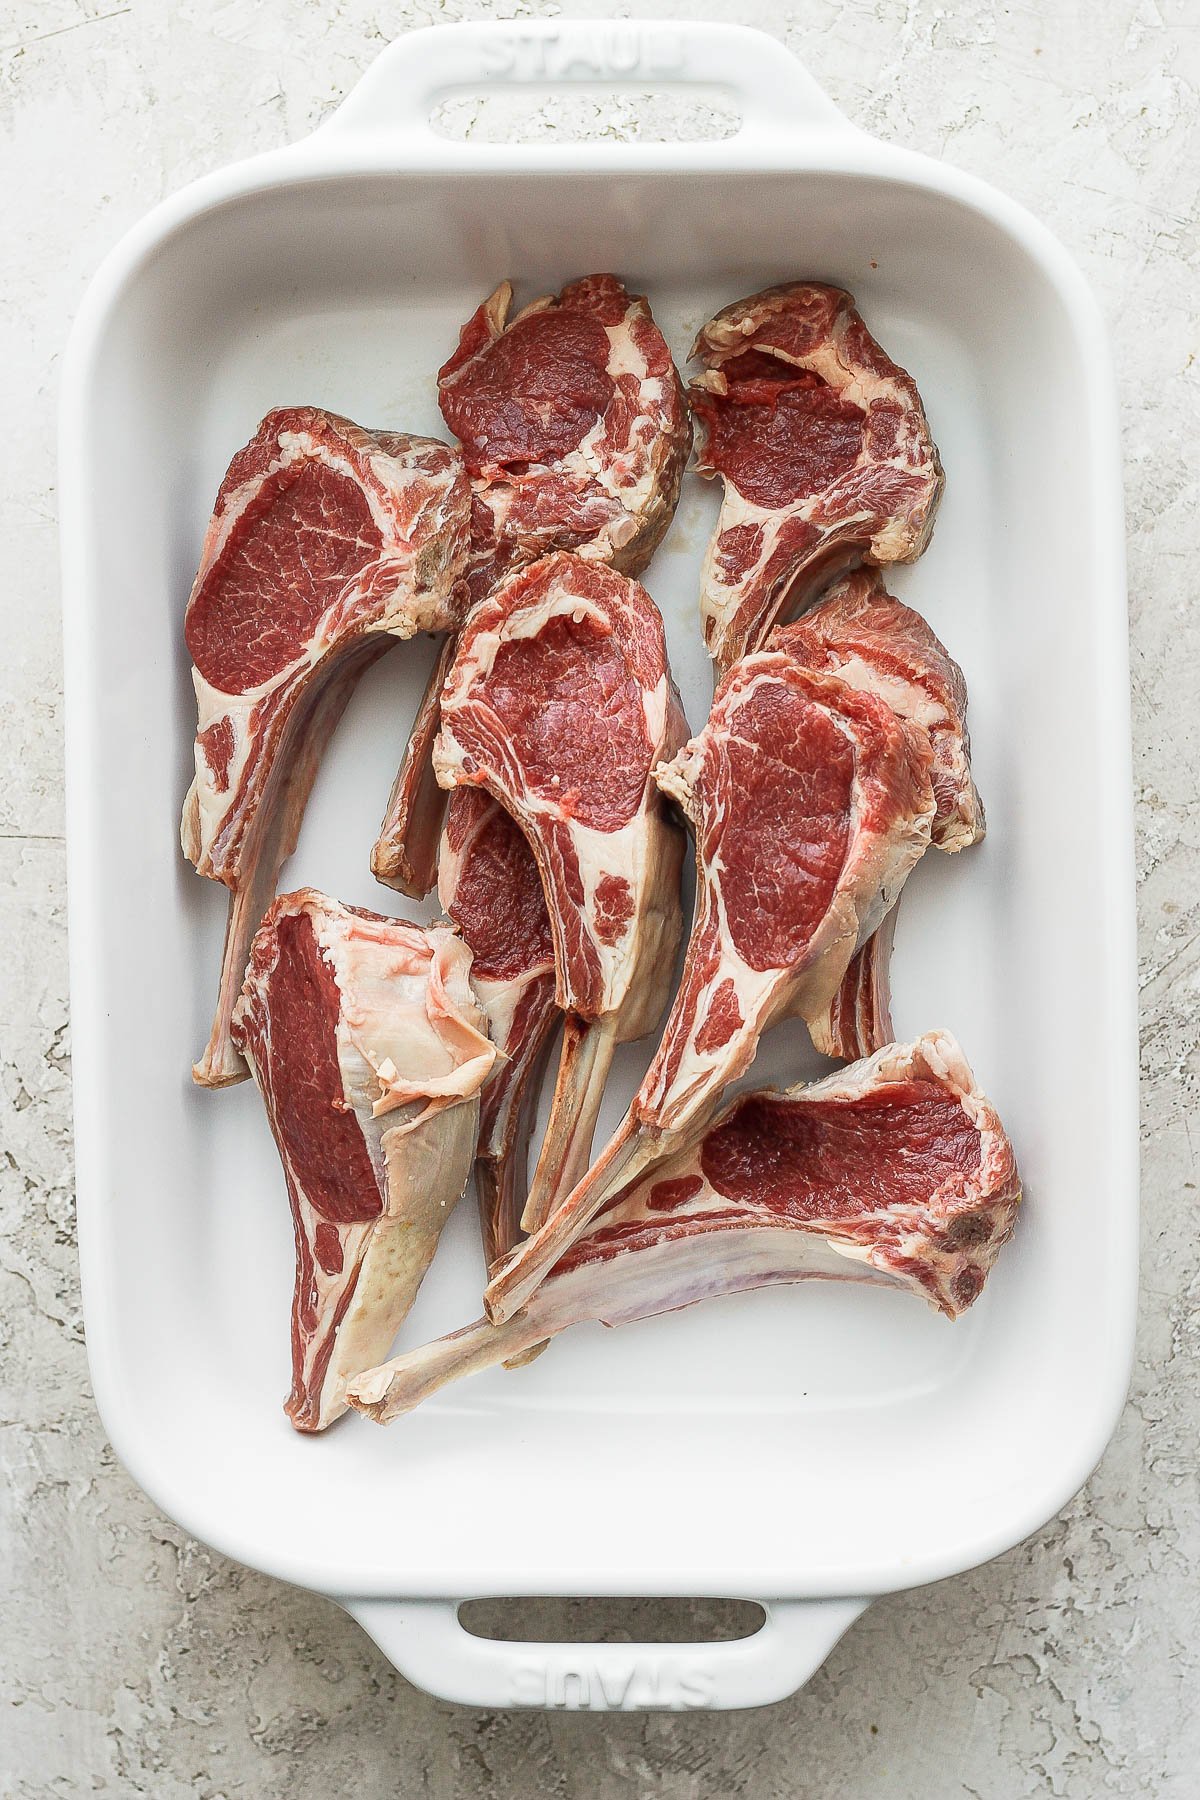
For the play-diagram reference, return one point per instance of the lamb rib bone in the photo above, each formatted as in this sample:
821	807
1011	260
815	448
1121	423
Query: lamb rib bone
575	431
561	703
810	803
860	1013
860	633
405	854
824	450
369	1050
327	545
895	1171
489	885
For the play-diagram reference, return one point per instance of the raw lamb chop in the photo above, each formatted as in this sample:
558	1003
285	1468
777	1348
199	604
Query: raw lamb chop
575	432
369	1049
327	545
573	425
810	802
860	633
825	453
896	1171
560	703
488	883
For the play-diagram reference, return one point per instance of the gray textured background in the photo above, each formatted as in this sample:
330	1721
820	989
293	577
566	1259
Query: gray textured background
132	1662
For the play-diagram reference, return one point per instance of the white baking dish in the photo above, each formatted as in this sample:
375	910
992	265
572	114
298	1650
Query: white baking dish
805	1447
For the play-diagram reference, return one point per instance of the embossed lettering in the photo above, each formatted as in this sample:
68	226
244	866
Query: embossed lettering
625	53
646	1687
696	1686
572	1690
499	55
574	1687
615	1687
582	55
529	1684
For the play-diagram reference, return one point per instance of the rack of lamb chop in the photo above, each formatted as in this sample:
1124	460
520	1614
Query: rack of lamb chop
489	885
811	802
575	432
895	1171
825	454
369	1050
560	704
328	544
858	632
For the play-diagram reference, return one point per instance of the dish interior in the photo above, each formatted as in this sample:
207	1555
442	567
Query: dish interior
805	1440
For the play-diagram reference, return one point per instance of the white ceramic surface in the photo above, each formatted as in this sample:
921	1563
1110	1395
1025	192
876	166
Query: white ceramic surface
803	1446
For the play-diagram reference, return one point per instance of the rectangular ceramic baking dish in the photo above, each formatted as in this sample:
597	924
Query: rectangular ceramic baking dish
802	1447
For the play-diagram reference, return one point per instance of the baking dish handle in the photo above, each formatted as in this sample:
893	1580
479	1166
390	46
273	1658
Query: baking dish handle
395	99
428	1644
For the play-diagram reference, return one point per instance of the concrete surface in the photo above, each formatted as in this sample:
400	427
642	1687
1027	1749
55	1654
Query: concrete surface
132	1662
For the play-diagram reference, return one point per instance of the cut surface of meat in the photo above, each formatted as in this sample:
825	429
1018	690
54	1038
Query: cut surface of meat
575	432
327	544
858	632
560	703
895	1171
369	1050
573	424
531	392
810	803
489	885
308	531
824	450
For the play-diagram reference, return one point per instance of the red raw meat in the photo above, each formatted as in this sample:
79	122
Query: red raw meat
488	883
575	432
858	632
895	1171
810	802
369	1050
824	450
573	425
560	704
327	545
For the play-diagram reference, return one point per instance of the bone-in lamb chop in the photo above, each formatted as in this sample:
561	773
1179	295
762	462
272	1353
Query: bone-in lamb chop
895	1171
810	803
327	545
824	450
575	432
488	883
369	1050
560	704
859	632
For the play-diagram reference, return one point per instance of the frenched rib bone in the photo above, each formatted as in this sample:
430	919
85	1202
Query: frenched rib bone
369	1049
328	544
810	804
824	450
560	704
488	883
896	1171
575	432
